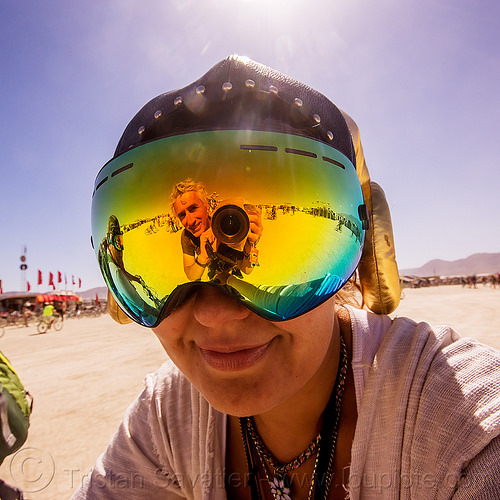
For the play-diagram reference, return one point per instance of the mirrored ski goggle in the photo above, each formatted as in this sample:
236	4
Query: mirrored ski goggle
274	220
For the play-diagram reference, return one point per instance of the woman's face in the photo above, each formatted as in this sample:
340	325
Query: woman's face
243	364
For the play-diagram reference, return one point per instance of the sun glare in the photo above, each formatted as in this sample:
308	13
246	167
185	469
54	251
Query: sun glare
271	5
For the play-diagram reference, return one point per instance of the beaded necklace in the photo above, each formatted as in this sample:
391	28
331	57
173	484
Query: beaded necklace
276	474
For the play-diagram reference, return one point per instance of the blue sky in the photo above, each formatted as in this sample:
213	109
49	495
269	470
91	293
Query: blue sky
421	79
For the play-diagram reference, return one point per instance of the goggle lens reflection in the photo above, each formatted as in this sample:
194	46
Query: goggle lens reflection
273	219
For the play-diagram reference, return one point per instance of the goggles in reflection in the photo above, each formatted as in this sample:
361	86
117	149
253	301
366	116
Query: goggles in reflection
274	220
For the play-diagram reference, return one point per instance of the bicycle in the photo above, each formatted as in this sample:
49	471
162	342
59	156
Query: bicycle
58	323
6	321
46	323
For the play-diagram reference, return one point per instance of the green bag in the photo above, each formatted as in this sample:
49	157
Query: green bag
16	405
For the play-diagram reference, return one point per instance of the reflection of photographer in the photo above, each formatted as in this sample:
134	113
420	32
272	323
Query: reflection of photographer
237	227
189	201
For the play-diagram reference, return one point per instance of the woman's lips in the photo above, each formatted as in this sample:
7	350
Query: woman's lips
233	358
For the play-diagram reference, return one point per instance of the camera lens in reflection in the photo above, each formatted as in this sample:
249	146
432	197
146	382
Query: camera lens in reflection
230	224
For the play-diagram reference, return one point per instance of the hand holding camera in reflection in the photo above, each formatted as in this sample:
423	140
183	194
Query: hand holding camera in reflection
223	243
237	227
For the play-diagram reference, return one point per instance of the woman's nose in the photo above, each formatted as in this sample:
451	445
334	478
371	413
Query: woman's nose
213	307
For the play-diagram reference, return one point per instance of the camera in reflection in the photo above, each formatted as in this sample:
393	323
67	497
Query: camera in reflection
231	226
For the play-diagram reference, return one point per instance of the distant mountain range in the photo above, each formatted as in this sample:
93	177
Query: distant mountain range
478	263
101	291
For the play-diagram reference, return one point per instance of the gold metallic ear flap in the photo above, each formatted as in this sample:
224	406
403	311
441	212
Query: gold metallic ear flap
378	270
115	312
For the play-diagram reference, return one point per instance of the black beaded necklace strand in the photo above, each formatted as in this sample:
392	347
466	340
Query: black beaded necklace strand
323	445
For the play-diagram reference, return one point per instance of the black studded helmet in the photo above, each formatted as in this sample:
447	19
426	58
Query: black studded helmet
244	180
238	93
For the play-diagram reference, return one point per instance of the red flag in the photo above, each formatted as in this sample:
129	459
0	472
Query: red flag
73	279
28	286
51	281
39	277
59	276
79	283
65	279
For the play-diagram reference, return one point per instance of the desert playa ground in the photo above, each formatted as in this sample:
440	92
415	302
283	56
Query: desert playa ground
83	378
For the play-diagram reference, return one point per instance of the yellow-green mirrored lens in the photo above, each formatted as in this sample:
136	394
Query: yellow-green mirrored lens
271	217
